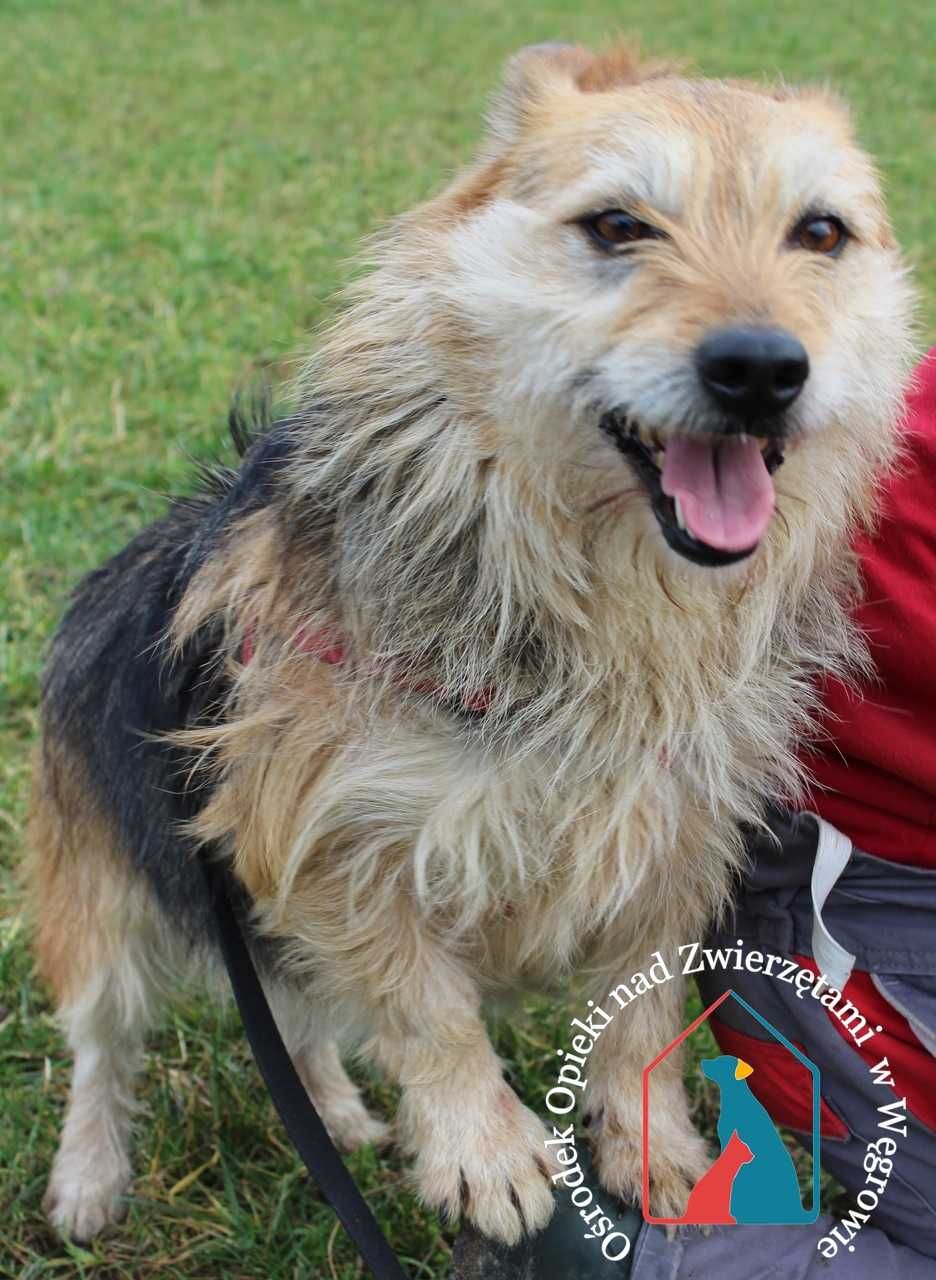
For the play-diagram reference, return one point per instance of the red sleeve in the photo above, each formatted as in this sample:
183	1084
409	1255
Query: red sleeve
879	774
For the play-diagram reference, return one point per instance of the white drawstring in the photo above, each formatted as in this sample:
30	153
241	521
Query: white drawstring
832	854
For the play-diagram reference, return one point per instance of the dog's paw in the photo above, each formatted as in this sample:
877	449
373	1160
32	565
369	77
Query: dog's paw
673	1172
492	1168
80	1205
338	1100
351	1125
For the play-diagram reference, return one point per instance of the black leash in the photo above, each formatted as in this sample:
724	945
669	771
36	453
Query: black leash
302	1122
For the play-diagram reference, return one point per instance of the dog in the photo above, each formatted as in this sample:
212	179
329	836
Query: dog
765	1188
472	668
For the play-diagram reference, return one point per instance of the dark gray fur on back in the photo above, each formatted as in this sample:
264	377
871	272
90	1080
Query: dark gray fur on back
109	684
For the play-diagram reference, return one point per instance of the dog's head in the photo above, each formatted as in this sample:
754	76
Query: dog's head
667	293
726	1069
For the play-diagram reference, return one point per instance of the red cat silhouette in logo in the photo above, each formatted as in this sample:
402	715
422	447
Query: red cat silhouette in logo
710	1198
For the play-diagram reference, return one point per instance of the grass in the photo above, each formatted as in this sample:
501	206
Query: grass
181	184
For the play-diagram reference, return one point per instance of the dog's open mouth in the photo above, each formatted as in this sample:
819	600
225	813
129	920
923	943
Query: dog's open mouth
712	495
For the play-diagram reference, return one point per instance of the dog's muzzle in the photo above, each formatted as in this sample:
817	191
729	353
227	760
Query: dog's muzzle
711	491
712	494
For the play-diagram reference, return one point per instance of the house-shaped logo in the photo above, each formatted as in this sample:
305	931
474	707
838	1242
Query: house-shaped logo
753	1179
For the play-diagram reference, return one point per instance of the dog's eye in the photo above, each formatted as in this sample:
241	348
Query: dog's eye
821	235
615	228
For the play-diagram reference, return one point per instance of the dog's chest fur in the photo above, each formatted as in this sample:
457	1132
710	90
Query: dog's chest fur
539	872
528	865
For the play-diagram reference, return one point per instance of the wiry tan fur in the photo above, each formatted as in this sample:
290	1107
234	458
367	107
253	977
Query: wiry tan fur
455	514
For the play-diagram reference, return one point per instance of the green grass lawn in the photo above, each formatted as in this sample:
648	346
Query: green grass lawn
181	185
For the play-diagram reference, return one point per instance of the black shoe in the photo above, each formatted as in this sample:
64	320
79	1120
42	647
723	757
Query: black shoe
559	1252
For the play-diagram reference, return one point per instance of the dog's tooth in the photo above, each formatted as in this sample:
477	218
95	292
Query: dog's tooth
679	515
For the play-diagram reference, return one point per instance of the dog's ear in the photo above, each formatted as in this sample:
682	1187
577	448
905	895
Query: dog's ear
542	71
530	77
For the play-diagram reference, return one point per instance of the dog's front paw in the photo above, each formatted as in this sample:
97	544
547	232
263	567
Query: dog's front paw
491	1167
80	1203
674	1171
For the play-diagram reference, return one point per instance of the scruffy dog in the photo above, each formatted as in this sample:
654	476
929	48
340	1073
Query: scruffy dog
474	665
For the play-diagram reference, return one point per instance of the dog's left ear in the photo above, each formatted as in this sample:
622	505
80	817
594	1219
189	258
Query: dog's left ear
542	71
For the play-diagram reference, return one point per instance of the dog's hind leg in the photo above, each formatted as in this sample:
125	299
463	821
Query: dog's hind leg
91	1173
318	1062
338	1099
98	944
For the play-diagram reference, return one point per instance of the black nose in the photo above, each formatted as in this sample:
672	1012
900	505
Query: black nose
752	373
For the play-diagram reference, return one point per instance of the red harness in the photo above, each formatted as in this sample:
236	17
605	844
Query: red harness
326	646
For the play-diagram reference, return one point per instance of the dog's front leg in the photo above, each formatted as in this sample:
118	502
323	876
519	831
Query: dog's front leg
613	1101
478	1150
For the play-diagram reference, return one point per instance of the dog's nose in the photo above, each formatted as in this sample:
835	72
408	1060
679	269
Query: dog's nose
752	373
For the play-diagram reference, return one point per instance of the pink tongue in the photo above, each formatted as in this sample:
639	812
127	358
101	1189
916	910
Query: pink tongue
724	490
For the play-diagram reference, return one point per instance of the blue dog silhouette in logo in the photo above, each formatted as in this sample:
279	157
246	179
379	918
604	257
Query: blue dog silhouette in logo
766	1189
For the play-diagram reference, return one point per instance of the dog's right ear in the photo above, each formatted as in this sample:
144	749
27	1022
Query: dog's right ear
541	71
530	77
534	78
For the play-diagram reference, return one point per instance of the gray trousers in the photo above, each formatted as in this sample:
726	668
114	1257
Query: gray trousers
774	1253
884	918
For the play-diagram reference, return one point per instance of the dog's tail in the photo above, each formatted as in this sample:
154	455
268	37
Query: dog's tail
250	416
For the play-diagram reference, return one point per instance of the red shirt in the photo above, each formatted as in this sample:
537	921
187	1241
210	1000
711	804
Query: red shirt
879	770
